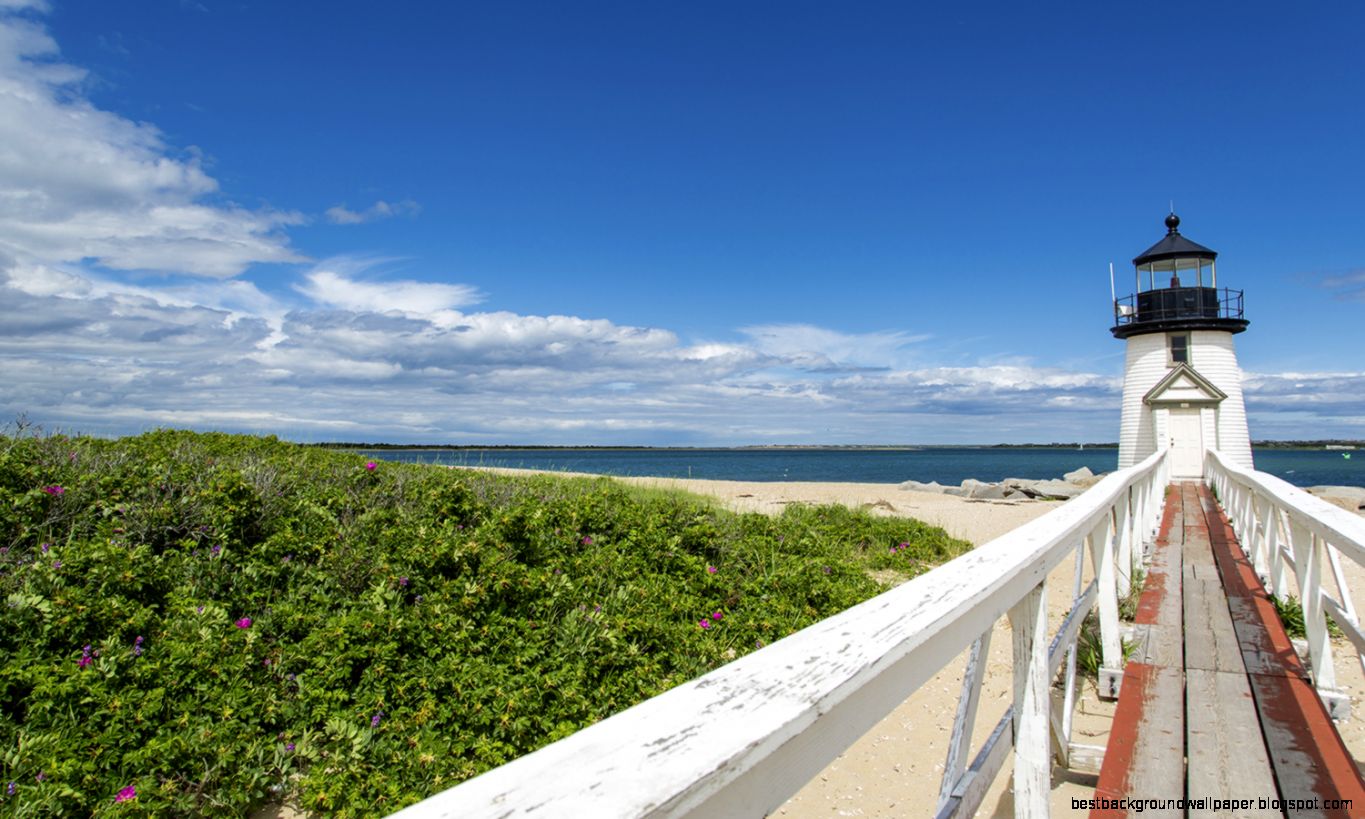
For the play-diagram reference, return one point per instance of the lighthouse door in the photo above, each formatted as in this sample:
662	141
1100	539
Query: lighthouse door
1187	443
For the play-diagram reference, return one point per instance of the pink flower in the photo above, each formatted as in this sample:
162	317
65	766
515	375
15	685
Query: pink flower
371	466
704	623
717	616
245	622
587	540
85	659
54	490
711	570
128	794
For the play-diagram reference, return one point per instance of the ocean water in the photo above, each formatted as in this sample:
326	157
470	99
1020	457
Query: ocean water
947	465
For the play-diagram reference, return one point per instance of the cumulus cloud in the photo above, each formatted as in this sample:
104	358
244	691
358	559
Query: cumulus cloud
341	215
336	361
77	182
333	288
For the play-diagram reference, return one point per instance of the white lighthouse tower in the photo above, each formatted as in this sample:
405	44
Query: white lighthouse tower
1182	388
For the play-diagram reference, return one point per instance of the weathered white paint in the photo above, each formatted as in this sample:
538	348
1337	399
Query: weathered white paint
1214	358
740	740
1032	701
1284	529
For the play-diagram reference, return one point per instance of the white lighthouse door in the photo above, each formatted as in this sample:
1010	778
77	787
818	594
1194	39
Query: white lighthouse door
1187	443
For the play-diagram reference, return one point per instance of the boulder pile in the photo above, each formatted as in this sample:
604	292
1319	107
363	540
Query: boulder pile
1069	486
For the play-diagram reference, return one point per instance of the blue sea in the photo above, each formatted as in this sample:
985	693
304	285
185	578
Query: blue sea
947	465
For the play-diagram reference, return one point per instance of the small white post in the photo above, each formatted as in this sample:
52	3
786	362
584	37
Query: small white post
1123	547
1279	573
1032	701
1100	541
1267	540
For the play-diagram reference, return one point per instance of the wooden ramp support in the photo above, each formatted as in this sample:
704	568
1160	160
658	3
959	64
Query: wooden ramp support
1217	715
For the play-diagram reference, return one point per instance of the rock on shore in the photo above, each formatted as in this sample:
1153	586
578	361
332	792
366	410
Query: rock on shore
1069	486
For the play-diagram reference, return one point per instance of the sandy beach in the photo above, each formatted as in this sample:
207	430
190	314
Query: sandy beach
896	768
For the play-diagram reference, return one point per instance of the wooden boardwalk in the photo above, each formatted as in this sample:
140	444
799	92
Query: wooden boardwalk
1215	704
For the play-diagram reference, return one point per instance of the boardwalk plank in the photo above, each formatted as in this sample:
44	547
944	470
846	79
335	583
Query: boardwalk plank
1146	753
1226	755
1311	762
1210	641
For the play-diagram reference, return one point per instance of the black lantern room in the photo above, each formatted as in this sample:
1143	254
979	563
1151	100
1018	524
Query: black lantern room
1176	288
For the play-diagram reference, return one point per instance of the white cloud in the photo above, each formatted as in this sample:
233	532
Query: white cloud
818	348
341	215
332	288
80	183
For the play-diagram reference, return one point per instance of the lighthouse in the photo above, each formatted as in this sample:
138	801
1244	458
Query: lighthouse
1182	388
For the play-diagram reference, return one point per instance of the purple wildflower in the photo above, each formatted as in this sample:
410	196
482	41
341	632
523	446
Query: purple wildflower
825	570
44	547
717	616
126	795
199	610
587	540
54	490
10	789
289	746
711	570
374	720
370	467
56	564
403	581
215	550
137	646
85	657
704	623
41	776
245	622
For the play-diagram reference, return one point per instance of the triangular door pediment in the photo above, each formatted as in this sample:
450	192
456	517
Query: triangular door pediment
1184	385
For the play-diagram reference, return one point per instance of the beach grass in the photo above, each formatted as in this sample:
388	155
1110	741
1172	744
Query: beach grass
203	624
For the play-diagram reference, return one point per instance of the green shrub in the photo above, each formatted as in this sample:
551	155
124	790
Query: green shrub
214	622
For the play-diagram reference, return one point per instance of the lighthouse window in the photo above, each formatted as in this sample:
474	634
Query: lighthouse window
1180	348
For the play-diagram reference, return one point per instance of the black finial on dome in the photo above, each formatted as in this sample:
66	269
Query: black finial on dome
1172	223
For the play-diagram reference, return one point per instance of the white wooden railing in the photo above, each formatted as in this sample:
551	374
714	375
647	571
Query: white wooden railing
1284	529
740	740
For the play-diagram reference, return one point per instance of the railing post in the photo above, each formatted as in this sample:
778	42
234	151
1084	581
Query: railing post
1279	577
1265	540
1123	557
1032	700
1100	541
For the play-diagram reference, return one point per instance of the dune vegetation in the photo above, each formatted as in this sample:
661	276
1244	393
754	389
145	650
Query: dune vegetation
202	624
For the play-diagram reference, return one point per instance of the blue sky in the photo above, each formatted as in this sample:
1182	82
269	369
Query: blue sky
662	223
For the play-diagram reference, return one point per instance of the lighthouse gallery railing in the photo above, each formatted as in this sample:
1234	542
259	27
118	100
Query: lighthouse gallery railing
1284	529
740	740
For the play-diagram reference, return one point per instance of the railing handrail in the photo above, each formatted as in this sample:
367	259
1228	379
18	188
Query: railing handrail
741	739
1342	529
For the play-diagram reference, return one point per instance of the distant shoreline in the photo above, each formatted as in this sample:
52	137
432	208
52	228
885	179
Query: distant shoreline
1334	445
